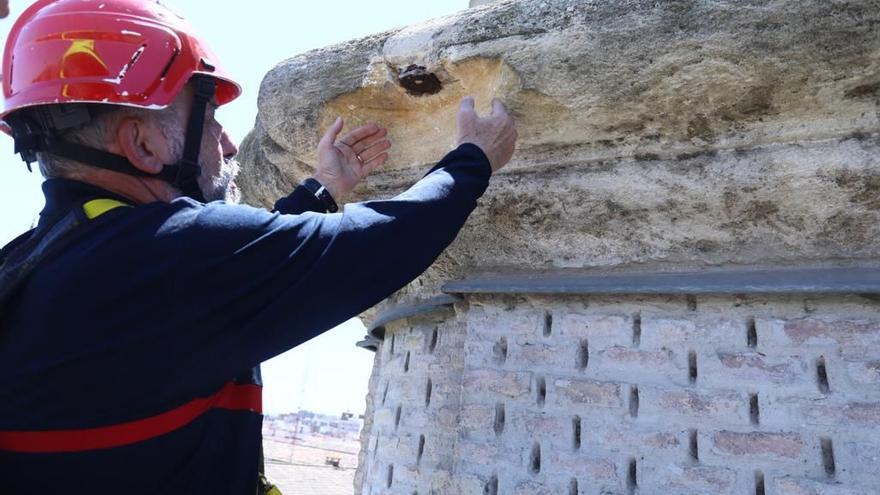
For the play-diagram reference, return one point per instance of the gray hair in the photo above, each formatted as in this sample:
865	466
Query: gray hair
101	131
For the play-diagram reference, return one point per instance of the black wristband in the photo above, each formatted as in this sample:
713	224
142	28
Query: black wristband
321	193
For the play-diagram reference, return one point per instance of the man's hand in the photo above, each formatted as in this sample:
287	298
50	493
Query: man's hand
342	164
495	135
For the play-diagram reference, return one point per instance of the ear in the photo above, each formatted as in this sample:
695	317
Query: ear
143	145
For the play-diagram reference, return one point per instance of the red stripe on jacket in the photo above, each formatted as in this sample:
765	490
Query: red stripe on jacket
232	396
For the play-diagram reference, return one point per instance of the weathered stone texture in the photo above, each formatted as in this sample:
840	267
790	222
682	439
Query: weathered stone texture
675	133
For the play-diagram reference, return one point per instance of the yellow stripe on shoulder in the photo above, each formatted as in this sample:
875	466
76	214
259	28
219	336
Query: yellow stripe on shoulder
98	207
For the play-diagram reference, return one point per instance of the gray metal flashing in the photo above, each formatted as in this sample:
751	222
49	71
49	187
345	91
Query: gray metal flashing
377	328
369	343
830	280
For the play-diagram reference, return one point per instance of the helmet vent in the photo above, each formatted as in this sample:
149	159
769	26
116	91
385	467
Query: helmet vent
168	65
134	58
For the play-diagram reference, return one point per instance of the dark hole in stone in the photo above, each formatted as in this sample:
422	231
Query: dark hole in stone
759	483
548	324
542	391
693	446
499	418
692	367
751	334
822	376
584	355
634	401
418	81
576	425
754	411
632	481
500	350
573	487
421	450
433	343
491	487
535	463
828	456
637	330
429	389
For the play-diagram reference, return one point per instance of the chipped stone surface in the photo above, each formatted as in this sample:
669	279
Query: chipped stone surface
673	133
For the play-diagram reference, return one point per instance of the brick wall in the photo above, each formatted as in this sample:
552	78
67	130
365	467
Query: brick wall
589	395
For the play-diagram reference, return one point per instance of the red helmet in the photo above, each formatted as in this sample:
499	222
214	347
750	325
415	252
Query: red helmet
119	52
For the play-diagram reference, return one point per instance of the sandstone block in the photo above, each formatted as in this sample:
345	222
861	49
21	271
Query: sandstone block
477	418
789	485
755	371
851	416
853	338
496	384
600	331
552	430
571	392
865	373
696	480
592	471
519	326
686	333
663	366
759	444
712	407
602	437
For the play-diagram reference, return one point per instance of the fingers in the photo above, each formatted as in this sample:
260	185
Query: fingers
466	105
498	108
361	133
375	150
370	141
374	163
330	135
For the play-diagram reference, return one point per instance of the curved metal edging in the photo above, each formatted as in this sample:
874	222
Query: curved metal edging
849	280
377	328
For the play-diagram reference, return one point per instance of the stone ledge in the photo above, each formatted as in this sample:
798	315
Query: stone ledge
855	280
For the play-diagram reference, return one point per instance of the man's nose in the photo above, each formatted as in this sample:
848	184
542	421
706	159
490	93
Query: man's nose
228	146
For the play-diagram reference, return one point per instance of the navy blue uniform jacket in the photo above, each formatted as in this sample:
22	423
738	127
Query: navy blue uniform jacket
155	311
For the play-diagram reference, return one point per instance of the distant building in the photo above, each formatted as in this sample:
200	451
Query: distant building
305	423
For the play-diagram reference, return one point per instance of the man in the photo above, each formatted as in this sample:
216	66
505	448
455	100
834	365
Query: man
134	317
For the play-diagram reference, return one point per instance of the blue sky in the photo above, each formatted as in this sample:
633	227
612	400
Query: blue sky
250	38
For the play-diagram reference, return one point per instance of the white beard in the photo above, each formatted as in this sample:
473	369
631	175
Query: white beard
222	187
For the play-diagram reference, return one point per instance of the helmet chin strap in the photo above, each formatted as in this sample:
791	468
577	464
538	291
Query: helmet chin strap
32	136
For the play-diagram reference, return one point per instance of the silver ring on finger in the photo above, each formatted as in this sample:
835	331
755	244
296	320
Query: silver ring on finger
361	160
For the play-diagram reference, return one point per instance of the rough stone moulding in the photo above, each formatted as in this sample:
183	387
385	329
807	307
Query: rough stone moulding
653	134
672	288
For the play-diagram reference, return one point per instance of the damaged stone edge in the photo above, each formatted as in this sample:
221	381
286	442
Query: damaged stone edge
827	280
376	330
